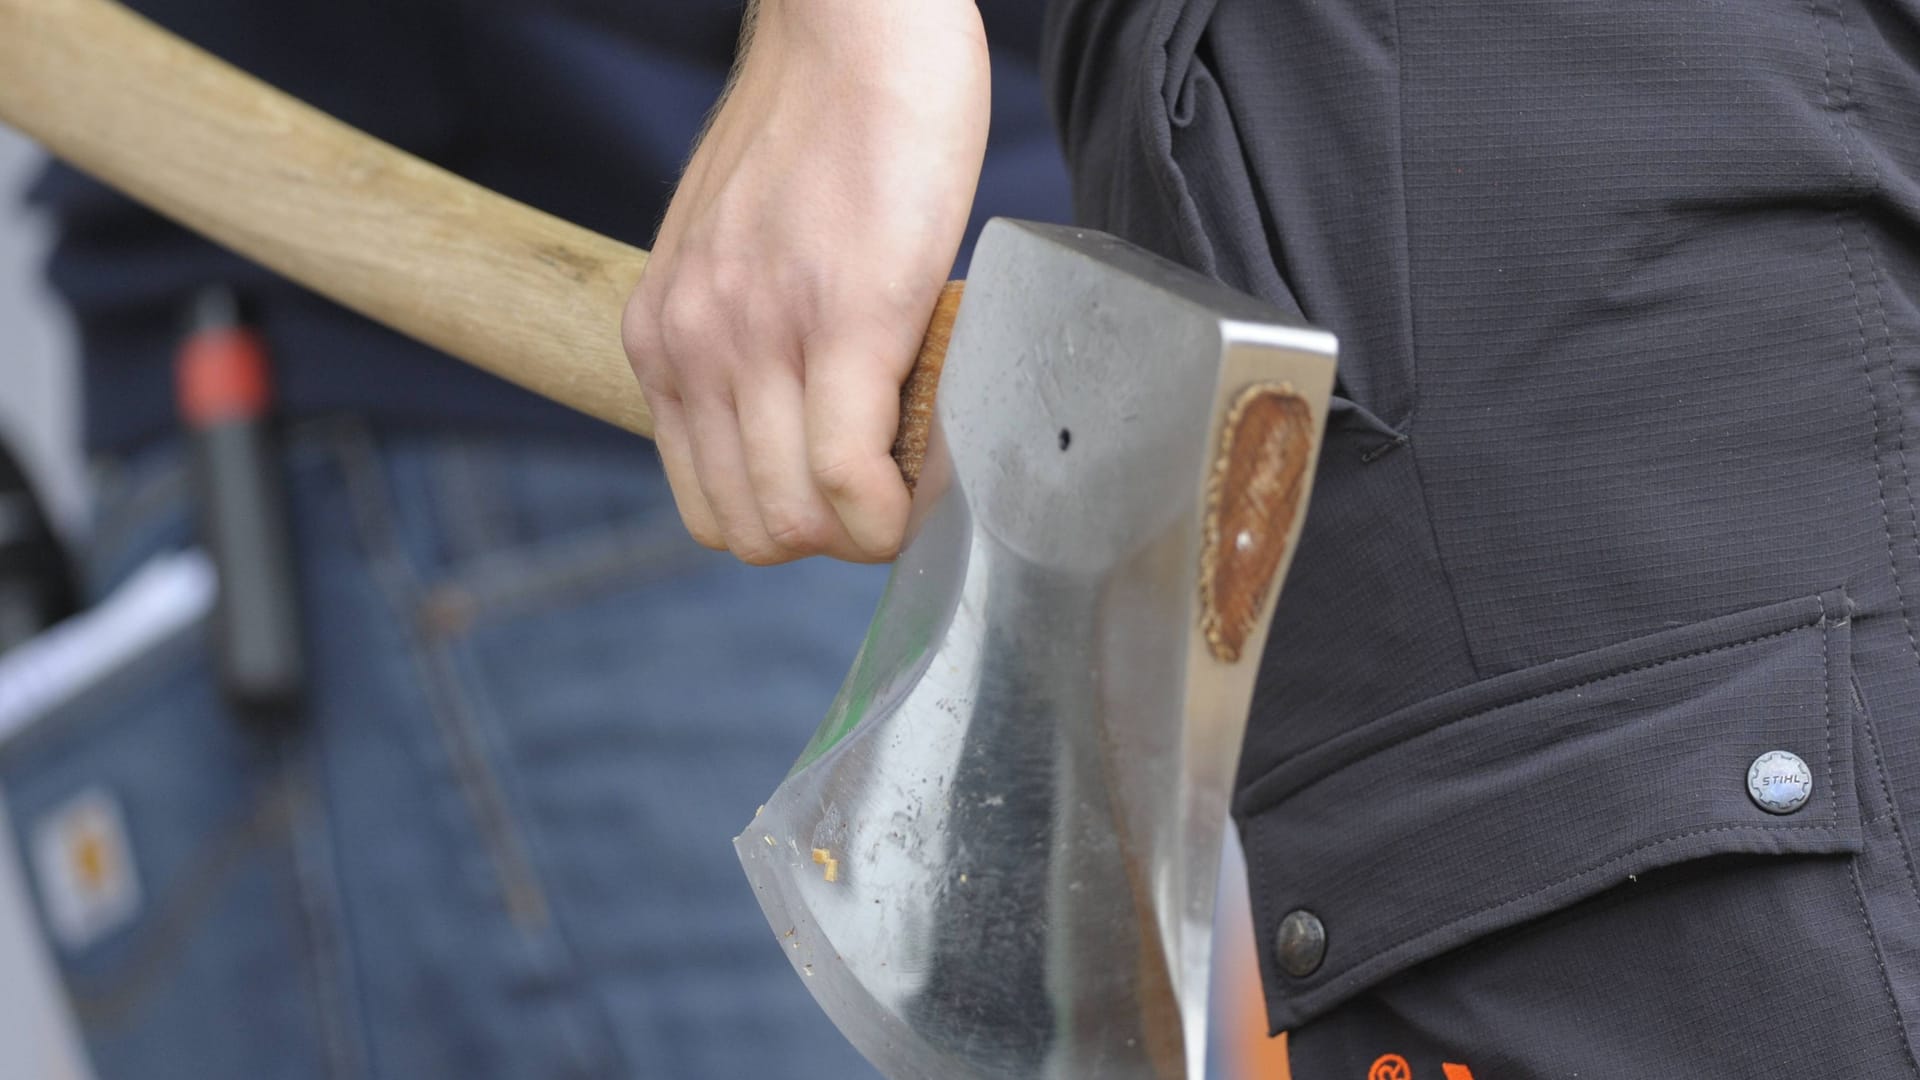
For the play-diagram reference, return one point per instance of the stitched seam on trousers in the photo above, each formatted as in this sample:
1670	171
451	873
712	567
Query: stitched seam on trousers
1414	736
523	896
465	515
1826	681
1406	425
1440	558
1839	109
185	912
317	890
1906	476
518	583
458	726
1886	982
591	1048
1356	971
1876	276
1886	793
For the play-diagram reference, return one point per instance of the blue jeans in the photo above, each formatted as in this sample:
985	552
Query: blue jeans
498	846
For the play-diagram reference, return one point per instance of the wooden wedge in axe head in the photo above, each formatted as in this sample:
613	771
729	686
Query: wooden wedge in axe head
997	857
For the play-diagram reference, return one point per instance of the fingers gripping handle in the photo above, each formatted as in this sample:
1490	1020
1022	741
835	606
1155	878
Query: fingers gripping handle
498	284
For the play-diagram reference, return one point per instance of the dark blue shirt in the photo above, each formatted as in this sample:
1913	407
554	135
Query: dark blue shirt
584	108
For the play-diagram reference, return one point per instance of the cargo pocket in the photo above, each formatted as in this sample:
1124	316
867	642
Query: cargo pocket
1567	869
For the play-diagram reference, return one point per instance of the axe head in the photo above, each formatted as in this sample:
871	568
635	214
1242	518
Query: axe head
998	856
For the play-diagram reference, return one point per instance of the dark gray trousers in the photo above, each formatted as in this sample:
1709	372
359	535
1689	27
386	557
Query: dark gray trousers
1620	498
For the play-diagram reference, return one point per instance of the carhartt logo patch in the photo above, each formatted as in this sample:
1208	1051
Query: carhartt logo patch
85	866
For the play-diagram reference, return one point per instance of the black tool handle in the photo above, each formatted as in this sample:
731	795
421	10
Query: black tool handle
225	402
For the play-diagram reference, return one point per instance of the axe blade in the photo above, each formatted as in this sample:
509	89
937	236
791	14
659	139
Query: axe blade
997	858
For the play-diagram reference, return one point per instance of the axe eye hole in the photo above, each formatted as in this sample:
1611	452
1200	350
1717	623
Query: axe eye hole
1066	439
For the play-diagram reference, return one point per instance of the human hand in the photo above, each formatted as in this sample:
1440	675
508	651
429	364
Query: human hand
796	268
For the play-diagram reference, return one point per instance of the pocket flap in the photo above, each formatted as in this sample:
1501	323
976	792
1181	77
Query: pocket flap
1519	795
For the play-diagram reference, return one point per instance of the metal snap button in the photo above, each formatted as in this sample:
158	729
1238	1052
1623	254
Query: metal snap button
1300	944
1780	782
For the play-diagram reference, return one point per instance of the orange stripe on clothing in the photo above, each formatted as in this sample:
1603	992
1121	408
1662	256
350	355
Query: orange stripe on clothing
1251	1054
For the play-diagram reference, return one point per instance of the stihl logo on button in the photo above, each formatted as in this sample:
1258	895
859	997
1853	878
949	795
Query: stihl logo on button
1395	1067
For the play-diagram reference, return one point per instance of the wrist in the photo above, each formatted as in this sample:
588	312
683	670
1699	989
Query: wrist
865	28
865	55
866	10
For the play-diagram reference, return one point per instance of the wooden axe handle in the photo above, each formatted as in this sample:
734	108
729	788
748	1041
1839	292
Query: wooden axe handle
503	286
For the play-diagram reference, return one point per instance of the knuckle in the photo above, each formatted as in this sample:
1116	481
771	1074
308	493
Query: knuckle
747	539
761	554
638	325
659	389
691	323
731	282
658	383
796	529
635	334
836	474
646	356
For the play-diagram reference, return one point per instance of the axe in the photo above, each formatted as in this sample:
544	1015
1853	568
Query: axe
997	857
